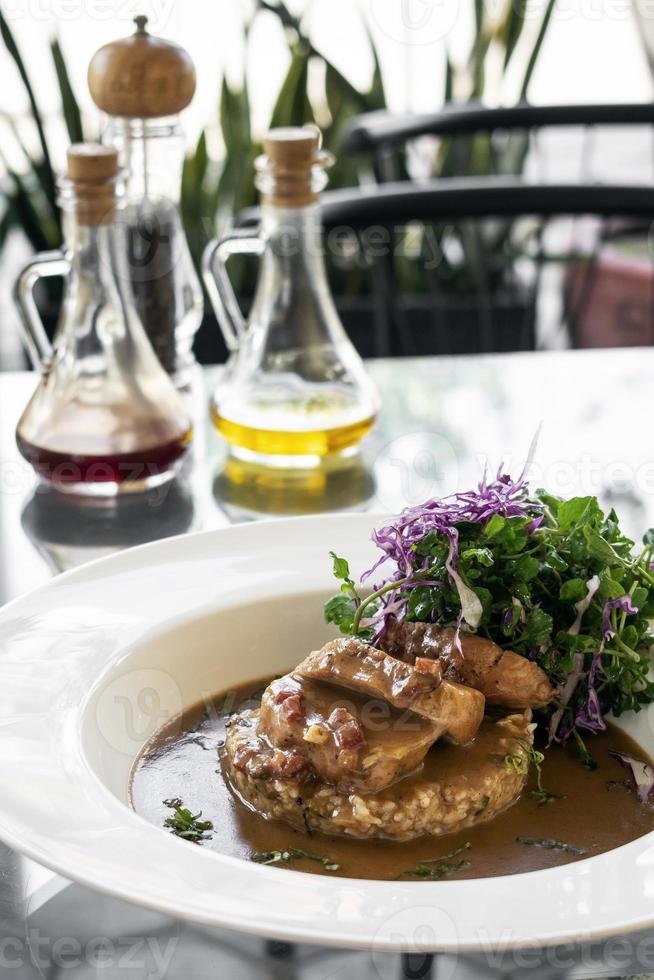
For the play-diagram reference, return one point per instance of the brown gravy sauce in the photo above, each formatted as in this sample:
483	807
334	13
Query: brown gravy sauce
182	761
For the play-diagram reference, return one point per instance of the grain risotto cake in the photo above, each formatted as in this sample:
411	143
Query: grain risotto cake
454	788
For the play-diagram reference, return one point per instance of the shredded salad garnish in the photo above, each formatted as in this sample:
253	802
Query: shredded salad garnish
554	580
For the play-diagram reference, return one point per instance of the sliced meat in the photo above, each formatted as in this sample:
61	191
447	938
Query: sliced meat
350	742
504	678
457	711
361	667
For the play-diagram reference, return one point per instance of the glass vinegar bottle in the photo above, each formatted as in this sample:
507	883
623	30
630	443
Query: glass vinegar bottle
105	418
294	389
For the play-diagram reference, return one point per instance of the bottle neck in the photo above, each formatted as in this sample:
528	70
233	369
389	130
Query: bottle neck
293	237
99	271
152	152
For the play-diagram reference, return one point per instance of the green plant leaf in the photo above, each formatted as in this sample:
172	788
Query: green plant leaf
32	181
479	15
233	188
200	159
477	63
292	107
573	590
449	77
484	556
513	27
577	511
376	95
69	105
198	194
526	568
341	568
235	117
193	180
280	10
535	51
599	548
7	222
48	178
342	107
20	206
374	99
239	149
340	610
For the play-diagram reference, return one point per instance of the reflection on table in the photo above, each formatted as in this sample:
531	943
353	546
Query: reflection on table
441	421
69	530
247	489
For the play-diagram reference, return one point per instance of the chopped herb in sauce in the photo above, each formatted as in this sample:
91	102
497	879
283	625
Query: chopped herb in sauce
551	845
521	762
542	796
185	824
293	854
436	868
586	758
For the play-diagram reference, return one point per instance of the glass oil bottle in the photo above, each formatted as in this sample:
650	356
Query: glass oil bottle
294	389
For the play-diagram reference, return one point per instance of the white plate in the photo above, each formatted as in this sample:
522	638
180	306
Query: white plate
93	662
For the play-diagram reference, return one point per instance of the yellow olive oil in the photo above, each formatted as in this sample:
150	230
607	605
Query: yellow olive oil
299	442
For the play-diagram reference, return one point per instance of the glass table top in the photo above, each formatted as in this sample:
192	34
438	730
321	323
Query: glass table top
442	421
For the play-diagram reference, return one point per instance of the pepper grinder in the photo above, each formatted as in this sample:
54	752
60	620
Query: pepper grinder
142	83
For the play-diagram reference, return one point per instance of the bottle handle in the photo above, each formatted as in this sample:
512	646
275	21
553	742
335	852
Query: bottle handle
241	241
44	265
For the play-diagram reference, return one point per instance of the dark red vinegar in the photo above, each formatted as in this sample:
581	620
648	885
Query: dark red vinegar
69	468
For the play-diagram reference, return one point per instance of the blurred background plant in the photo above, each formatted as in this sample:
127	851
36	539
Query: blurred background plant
218	177
216	189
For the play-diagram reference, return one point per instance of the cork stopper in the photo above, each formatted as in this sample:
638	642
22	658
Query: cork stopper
141	76
92	170
287	168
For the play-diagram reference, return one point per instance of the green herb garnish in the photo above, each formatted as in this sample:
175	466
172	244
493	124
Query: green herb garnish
542	797
437	868
551	845
292	854
521	762
585	756
185	824
341	609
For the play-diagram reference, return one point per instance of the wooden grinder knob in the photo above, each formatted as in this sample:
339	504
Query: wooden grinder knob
141	76
93	169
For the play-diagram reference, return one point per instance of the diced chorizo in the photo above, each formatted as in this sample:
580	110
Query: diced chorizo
291	708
